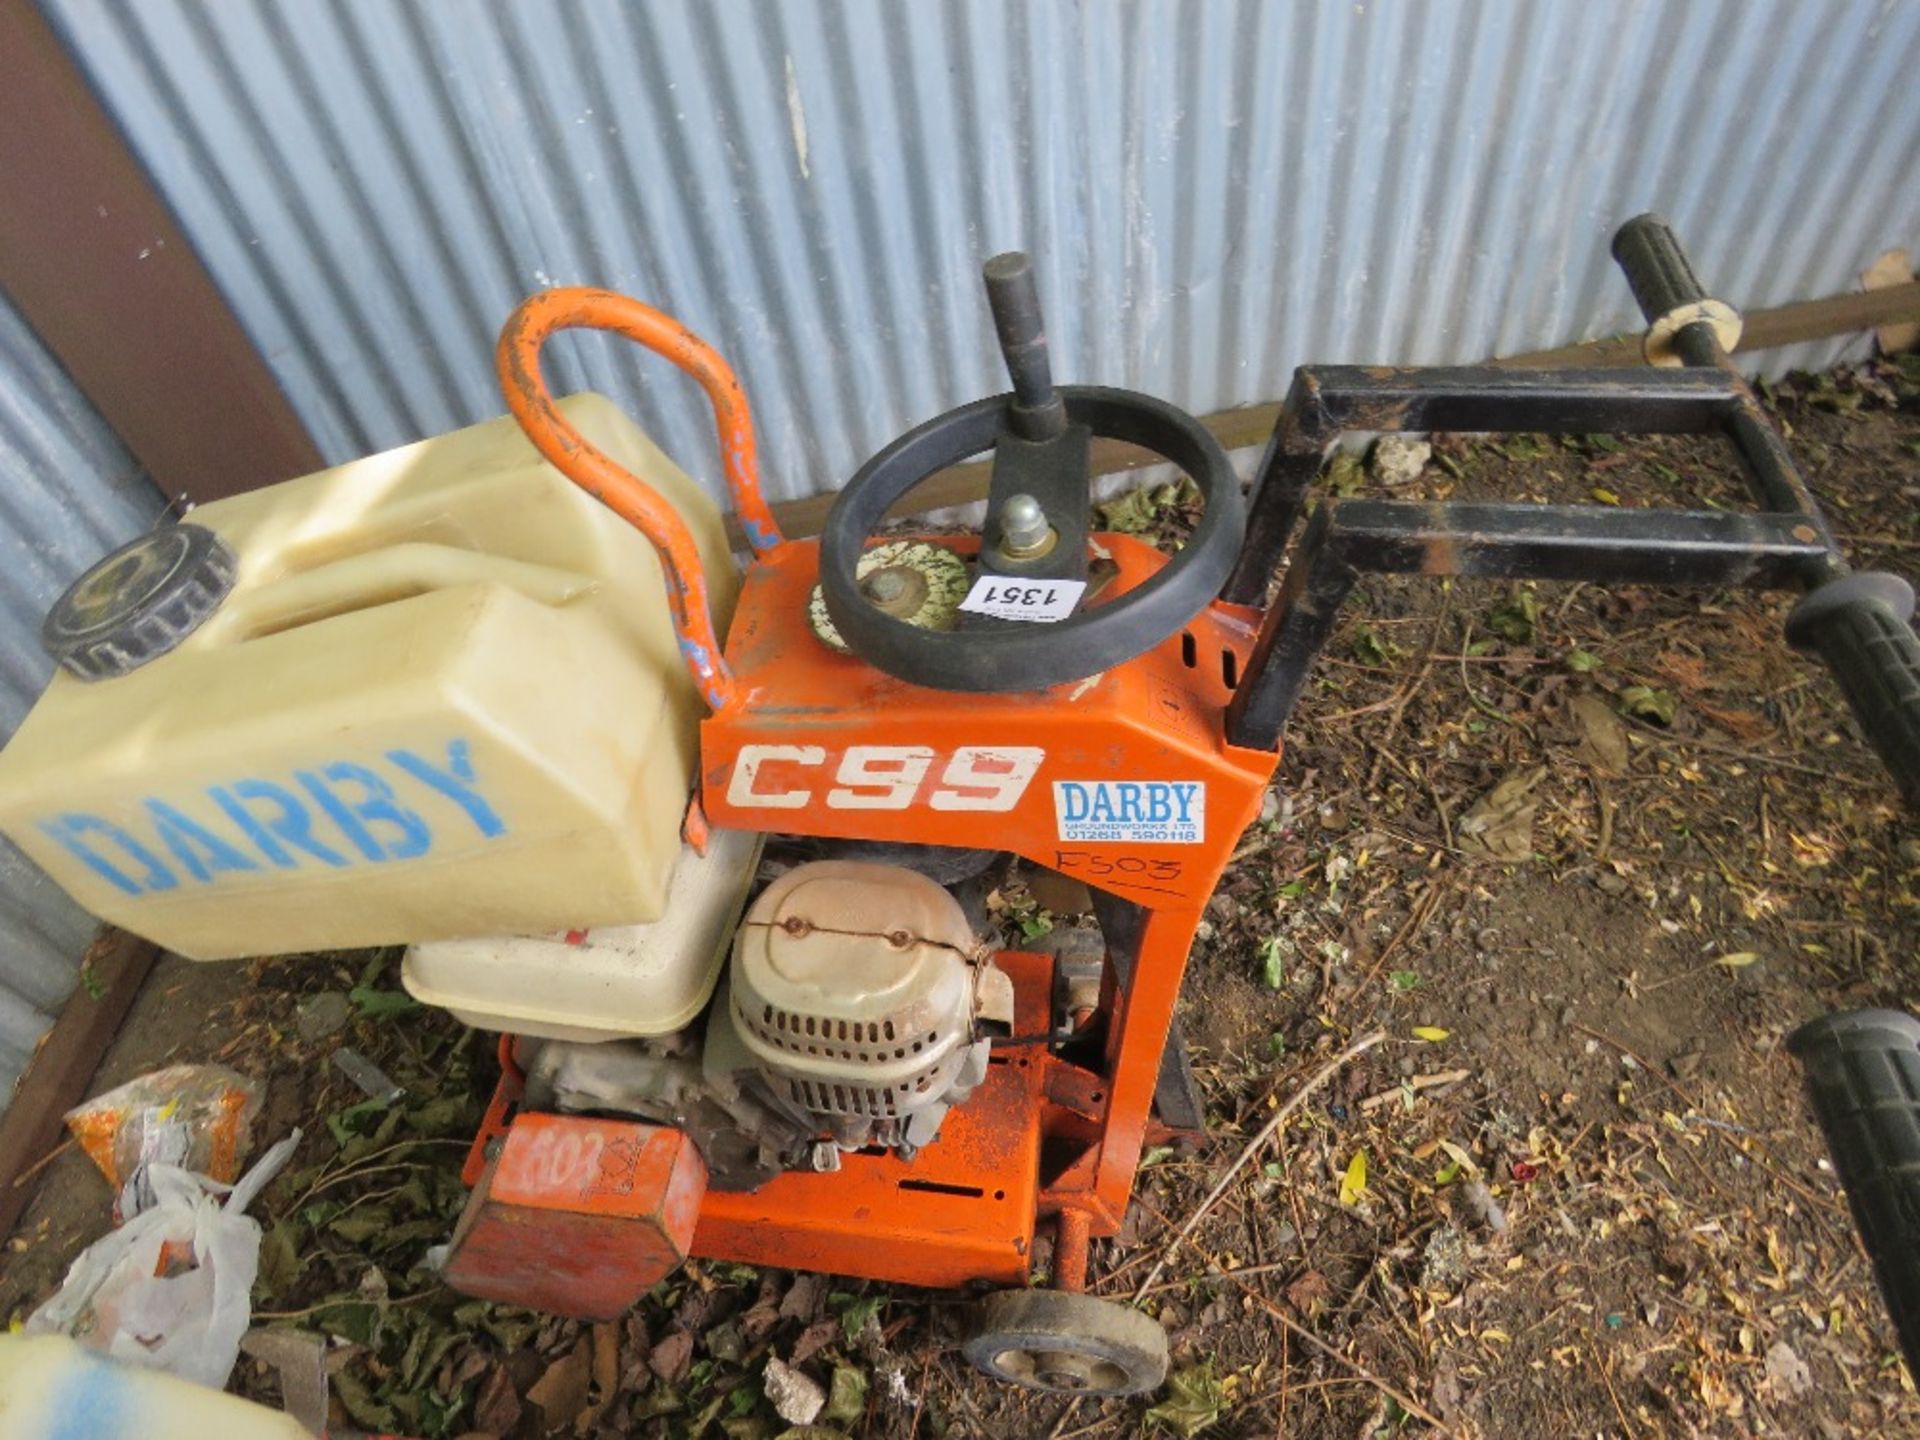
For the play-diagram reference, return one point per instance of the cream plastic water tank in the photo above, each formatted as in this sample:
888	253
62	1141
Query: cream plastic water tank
52	1389
610	983
443	698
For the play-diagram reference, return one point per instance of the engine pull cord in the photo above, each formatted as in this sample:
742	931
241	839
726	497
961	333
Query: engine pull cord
517	360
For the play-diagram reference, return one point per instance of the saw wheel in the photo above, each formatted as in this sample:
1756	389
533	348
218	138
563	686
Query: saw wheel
914	582
1067	1343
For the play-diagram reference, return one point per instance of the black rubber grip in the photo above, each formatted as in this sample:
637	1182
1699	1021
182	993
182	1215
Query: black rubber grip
1863	1077
1860	625
1014	297
1657	269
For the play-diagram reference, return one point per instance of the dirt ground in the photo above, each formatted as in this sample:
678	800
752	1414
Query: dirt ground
1584	856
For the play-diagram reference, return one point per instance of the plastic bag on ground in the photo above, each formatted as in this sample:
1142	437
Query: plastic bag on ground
196	1117
170	1289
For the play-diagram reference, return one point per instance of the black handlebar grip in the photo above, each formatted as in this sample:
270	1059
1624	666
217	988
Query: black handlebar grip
1859	624
1657	269
1014	298
1863	1078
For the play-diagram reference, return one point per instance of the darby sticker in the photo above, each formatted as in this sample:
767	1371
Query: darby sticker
1150	812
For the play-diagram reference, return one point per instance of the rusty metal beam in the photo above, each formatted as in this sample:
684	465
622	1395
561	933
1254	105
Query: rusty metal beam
61	1069
92	257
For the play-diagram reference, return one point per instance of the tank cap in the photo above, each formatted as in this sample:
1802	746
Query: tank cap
139	602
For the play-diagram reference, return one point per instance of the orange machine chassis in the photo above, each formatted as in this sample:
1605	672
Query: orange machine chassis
806	741
1044	1138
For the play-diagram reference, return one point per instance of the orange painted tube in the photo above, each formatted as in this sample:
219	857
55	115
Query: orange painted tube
517	359
1073	1229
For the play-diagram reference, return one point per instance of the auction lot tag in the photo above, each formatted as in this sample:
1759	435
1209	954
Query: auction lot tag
1041	602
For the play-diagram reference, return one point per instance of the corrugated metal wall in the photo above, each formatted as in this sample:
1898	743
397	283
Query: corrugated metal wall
68	493
1215	192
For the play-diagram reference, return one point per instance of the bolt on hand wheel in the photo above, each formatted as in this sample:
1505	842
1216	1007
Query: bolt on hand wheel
1067	1343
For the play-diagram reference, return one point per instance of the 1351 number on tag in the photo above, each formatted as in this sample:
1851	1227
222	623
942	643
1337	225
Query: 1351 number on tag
1039	602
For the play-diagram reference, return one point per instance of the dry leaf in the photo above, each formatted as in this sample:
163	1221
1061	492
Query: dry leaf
1500	822
561	1393
803	1298
1194	1401
846	1395
634	1353
815	1338
496	1409
671	1355
1811	851
759	1322
606	1375
1353	1185
1647	703
1739	960
1308	1294
1787	1373
1603	735
1481	1208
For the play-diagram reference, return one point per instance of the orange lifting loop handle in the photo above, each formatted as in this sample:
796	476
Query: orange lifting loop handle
518	361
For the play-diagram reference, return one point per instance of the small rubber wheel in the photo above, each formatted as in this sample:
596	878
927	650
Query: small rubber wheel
1067	1344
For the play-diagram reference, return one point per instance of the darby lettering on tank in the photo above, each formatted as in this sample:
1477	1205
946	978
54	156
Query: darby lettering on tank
334	815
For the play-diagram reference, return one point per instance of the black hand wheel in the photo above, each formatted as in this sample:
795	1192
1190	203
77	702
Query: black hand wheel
1067	1343
1039	437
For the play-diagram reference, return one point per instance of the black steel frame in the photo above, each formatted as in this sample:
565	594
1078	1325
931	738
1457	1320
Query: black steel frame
1785	545
1859	623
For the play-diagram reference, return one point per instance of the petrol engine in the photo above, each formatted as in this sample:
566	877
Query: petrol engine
853	1010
